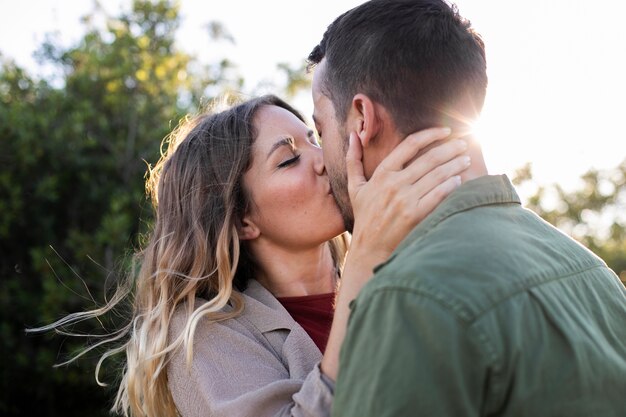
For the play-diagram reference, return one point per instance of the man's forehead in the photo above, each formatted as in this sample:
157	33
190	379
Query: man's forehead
322	107
319	99
318	73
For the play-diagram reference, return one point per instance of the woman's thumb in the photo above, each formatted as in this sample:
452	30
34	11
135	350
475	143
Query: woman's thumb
354	163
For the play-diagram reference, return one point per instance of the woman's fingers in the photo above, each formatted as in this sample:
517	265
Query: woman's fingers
436	177
432	160
405	188
410	147
427	203
441	173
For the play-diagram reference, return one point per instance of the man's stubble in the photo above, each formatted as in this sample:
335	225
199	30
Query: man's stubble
338	177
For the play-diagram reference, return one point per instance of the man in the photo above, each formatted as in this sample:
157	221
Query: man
484	309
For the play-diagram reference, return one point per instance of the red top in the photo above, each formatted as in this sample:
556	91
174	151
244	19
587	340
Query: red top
314	313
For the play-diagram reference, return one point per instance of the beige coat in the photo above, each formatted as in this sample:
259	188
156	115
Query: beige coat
261	363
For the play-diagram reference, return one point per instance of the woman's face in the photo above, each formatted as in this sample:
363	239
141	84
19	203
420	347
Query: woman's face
291	201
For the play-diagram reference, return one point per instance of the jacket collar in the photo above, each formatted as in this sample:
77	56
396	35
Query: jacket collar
264	310
267	314
482	191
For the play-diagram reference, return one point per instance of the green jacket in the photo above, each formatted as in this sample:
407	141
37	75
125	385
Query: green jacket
486	310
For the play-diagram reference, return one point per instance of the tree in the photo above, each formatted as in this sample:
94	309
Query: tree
298	78
594	214
72	200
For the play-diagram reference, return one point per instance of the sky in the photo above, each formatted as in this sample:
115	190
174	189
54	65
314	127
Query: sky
557	84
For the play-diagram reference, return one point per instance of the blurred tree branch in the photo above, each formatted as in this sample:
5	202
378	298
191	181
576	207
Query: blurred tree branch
594	214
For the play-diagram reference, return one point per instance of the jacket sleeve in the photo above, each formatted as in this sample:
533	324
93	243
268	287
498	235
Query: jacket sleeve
232	373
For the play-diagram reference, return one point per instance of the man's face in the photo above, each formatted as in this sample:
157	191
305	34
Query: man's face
334	145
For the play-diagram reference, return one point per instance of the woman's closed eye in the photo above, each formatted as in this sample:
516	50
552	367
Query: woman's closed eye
290	161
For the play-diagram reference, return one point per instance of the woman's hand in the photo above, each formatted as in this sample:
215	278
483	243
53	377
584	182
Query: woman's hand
403	190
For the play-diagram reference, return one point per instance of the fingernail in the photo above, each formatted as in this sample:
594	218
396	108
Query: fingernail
464	144
447	131
457	180
467	160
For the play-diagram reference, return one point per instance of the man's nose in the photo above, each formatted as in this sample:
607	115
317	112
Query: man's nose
318	162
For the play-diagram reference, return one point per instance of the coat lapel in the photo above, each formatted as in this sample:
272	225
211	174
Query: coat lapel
287	337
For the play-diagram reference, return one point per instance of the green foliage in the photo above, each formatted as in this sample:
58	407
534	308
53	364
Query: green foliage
594	214
298	78
72	200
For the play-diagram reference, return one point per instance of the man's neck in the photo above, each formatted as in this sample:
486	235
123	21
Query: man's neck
478	167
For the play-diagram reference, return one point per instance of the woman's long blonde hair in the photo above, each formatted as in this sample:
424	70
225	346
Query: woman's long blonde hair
193	251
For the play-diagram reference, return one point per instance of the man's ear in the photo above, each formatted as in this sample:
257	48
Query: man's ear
363	119
247	229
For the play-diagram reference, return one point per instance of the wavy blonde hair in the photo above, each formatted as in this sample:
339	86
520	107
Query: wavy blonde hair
193	251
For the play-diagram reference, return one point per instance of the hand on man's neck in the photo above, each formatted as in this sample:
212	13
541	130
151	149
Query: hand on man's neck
478	167
382	145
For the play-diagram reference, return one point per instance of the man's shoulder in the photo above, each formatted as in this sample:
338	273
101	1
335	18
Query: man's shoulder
477	259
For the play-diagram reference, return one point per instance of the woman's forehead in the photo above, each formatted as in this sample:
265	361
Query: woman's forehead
273	123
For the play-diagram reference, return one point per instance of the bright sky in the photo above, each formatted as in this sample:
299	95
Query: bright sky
557	92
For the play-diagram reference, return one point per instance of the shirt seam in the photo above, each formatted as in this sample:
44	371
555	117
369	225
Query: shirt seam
436	222
449	213
485	310
504	195
491	357
519	291
473	323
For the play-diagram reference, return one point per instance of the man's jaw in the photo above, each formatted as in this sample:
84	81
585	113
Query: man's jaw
345	208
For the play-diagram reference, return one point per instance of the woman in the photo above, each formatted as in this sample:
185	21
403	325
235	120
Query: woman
247	235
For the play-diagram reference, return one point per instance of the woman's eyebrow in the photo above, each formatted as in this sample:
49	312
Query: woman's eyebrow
284	141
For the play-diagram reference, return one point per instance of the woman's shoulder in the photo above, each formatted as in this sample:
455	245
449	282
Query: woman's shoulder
261	313
257	332
204	318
